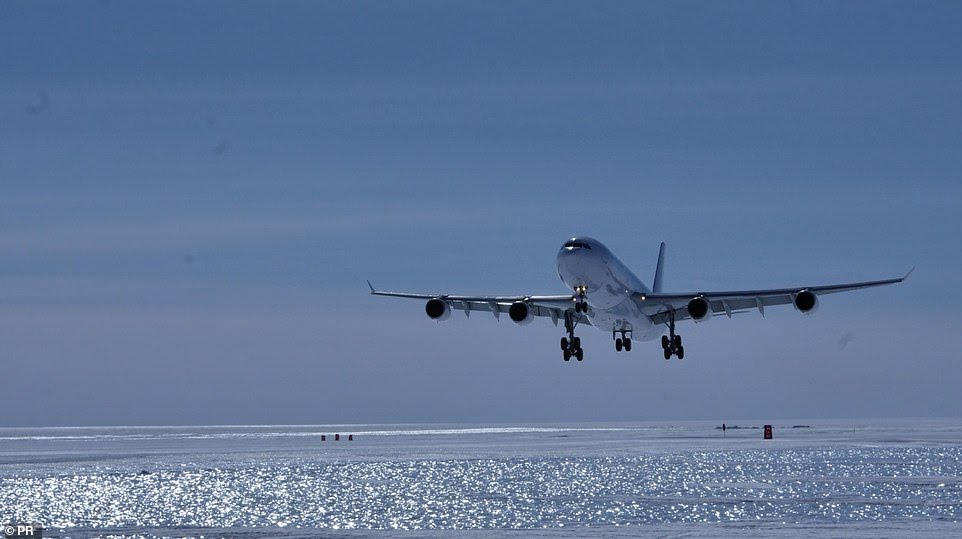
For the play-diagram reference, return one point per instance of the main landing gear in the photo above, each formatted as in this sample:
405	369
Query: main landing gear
671	343
571	345
623	342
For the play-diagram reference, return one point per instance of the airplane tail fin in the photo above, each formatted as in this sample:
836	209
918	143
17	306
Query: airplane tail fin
659	269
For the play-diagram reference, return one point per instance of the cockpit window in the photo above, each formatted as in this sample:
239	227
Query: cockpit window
577	245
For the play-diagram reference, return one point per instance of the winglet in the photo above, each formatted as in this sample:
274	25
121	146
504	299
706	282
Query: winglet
371	286
909	273
659	269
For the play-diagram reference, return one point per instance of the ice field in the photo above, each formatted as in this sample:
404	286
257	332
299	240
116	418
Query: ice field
854	478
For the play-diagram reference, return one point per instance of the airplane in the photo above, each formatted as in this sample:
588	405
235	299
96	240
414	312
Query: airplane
606	295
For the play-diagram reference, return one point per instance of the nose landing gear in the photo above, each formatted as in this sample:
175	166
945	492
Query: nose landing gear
581	304
671	343
623	342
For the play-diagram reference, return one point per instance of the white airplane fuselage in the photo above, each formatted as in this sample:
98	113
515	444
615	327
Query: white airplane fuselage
585	264
608	296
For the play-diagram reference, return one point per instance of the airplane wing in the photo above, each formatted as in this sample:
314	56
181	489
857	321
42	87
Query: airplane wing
657	306
552	307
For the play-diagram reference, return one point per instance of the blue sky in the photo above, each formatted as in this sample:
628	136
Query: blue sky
193	194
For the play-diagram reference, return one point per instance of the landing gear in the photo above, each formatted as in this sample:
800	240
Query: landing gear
671	343
581	305
571	345
623	342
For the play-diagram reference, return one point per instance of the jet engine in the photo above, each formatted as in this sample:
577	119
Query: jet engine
699	309
805	302
437	309
521	313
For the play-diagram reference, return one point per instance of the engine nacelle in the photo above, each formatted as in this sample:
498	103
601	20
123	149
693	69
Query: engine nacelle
438	309
806	302
521	313
699	309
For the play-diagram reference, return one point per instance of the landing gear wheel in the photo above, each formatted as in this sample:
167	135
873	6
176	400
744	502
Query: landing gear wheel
671	343
571	345
581	306
618	345
627	345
